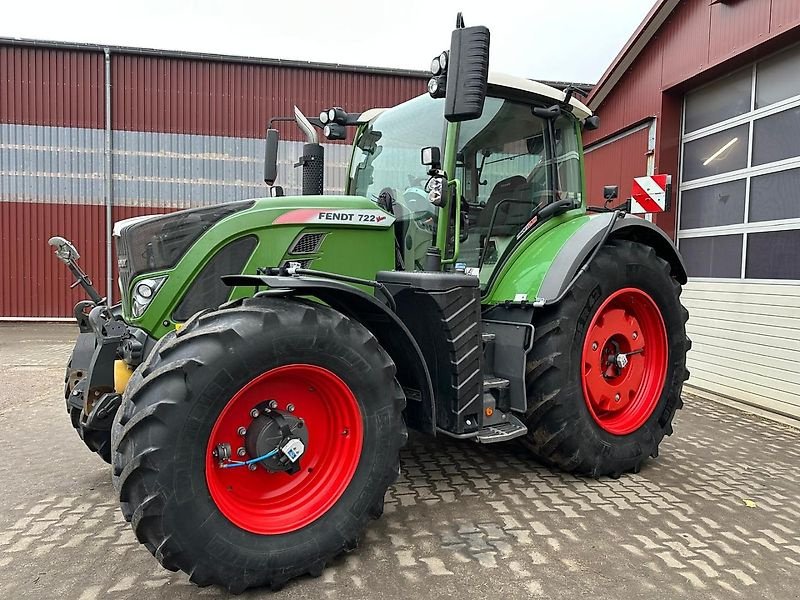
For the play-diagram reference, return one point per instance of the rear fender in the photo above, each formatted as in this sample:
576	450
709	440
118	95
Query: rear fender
579	246
391	333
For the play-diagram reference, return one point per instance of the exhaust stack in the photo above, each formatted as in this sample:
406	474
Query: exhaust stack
313	158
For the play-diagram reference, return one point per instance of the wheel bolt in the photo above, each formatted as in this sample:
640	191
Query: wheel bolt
254	413
594	346
242	431
273	404
346	432
290	407
635	335
241	452
616	398
252	467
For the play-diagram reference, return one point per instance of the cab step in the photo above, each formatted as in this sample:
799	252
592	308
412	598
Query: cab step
509	429
495	383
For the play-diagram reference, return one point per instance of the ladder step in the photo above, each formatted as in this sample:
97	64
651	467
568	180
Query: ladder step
495	383
502	432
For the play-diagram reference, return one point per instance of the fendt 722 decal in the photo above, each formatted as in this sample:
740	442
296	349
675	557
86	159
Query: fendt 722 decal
373	217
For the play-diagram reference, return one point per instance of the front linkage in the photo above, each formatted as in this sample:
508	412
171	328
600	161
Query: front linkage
95	374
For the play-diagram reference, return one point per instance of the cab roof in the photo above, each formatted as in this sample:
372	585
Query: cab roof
501	80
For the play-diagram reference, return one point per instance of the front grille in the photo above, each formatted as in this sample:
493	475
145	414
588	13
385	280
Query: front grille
308	243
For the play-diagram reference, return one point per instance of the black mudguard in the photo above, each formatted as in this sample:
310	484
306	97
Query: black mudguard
383	323
578	248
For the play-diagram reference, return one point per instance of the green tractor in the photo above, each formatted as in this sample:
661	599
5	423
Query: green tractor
253	389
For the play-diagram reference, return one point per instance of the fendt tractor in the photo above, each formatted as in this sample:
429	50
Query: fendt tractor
253	388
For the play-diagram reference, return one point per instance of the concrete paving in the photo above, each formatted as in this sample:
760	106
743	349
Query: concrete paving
717	515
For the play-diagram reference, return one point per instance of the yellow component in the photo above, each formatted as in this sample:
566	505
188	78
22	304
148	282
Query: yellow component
178	326
122	373
489	411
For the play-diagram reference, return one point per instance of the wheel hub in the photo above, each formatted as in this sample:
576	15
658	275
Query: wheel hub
275	430
624	361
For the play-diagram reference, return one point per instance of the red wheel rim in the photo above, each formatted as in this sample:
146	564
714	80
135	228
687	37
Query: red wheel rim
619	396
273	503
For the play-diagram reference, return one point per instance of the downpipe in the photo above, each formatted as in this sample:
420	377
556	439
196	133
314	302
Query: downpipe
108	175
313	158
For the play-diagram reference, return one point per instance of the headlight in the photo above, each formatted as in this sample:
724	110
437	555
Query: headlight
144	292
323	117
443	60
436	66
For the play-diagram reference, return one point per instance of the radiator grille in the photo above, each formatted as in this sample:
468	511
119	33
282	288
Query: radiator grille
308	243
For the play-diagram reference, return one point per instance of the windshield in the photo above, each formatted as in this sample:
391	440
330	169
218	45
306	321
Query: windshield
386	168
508	166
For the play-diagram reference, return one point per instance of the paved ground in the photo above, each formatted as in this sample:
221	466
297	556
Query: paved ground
717	515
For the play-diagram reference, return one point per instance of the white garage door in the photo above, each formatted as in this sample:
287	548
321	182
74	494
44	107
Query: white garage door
739	232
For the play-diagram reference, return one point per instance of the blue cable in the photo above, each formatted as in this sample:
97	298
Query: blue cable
239	463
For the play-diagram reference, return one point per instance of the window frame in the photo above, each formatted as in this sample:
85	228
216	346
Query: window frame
747	174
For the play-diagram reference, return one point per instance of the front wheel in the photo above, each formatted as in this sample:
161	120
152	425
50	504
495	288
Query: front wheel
254	445
608	363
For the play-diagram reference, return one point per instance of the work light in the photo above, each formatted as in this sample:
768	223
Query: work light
334	131
437	86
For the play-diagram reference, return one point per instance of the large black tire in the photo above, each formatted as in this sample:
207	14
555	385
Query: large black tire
562	431
161	432
98	441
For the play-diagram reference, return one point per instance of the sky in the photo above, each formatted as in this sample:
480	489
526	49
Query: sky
565	40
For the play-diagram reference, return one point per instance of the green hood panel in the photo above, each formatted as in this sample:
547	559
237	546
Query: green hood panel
359	241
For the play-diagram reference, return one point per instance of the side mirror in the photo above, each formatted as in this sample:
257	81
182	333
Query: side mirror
65	251
271	157
610	192
467	73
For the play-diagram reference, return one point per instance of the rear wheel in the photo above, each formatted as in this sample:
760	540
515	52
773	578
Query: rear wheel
608	364
199	460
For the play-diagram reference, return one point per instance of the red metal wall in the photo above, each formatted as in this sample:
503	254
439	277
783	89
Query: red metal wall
175	95
616	163
59	87
698	42
46	86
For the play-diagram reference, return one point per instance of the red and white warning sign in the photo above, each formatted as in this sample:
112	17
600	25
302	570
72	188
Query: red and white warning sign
650	194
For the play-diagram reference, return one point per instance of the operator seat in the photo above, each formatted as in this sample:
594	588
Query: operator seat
512	214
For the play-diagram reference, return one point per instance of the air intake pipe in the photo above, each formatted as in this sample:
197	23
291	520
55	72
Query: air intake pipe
313	158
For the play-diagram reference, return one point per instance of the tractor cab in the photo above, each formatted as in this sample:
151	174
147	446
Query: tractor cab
510	164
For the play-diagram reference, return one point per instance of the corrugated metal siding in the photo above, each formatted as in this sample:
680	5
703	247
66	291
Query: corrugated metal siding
736	27
231	99
784	15
696	38
187	132
51	164
42	86
746	342
32	282
616	163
